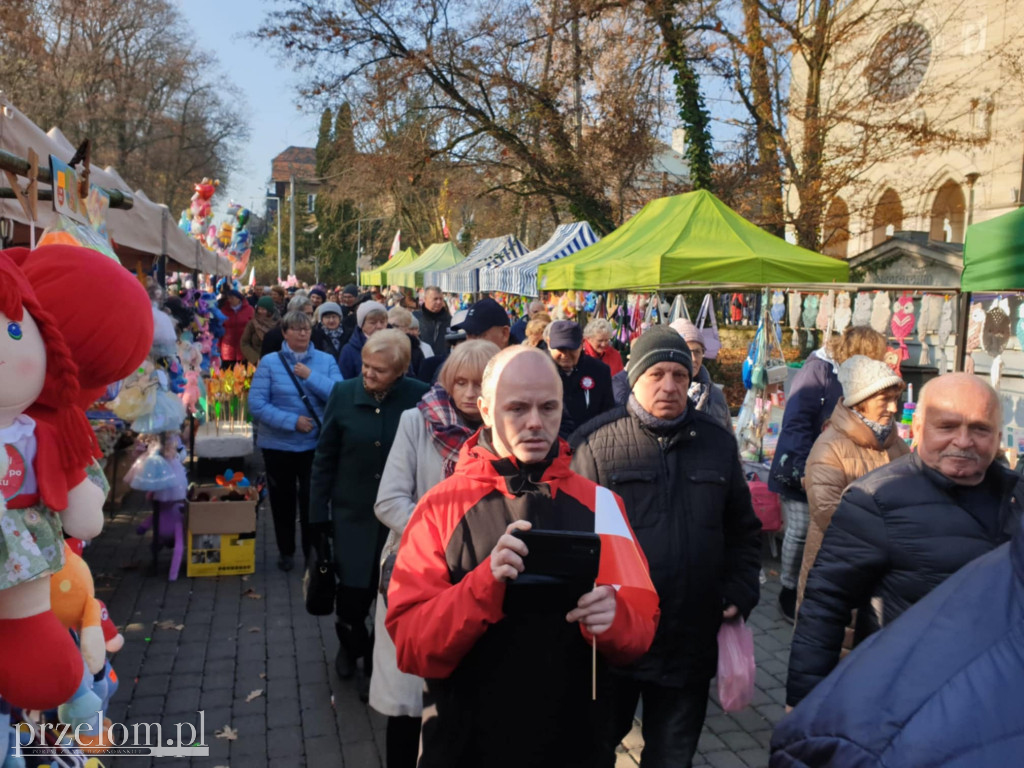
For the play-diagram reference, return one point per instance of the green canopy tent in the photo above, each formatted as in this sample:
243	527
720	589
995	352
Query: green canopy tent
694	238
378	276
437	257
994	254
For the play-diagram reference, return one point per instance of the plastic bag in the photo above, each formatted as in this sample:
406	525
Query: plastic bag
735	665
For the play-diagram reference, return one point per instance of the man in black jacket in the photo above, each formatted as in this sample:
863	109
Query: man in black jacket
434	319
901	530
586	382
679	474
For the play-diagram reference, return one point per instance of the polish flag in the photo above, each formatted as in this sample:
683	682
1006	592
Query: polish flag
396	245
622	565
252	276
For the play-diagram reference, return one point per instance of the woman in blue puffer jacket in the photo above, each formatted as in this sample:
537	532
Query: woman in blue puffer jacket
288	424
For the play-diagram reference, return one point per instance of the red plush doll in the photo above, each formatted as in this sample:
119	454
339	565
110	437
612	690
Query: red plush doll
48	448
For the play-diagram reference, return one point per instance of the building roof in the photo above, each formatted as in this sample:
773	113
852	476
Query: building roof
299	162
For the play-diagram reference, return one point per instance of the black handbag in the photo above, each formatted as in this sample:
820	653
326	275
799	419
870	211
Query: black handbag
319	581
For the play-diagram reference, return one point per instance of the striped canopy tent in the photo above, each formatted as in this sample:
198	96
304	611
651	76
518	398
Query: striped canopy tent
693	237
437	256
378	276
519	276
464	278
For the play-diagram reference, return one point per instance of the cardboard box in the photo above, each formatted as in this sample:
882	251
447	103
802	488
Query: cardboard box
221	534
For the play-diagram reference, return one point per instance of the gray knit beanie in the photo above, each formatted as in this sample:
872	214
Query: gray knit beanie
658	345
861	377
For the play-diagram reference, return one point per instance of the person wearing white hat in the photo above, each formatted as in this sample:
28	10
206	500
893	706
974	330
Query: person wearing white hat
371	316
860	436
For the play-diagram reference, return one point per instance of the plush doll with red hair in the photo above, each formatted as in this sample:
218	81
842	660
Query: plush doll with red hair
45	300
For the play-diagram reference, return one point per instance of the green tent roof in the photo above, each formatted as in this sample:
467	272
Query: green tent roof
436	257
693	237
994	254
377	276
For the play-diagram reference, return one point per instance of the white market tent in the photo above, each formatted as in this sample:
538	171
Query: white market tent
144	231
464	276
519	276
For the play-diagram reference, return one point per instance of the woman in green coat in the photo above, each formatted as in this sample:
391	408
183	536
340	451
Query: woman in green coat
360	422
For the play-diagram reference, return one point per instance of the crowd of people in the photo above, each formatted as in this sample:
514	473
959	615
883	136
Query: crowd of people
425	448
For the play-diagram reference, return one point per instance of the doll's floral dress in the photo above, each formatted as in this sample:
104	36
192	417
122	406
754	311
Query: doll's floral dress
31	537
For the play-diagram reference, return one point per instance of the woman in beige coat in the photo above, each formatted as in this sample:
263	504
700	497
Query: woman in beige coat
860	436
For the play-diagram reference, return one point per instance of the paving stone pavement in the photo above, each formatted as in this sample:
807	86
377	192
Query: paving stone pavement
244	634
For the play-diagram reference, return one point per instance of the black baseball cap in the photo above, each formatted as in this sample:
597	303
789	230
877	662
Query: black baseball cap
484	314
565	334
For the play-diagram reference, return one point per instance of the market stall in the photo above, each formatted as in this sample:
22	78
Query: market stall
464	277
378	276
437	257
519	276
693	237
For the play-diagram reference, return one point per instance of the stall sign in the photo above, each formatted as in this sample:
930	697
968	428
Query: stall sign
66	199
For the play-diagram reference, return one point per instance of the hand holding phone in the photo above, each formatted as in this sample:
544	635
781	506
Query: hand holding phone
507	555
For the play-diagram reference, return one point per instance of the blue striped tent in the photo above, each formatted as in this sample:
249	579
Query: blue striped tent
464	277
519	276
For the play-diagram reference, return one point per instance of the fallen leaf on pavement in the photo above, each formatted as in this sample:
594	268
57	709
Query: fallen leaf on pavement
255	629
170	624
254	694
263	675
227	732
252	594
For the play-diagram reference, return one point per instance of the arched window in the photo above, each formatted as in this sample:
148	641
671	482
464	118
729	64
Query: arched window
835	236
947	220
888	218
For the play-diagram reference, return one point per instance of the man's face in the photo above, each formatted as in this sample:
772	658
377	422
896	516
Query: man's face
347	299
958	432
433	301
496	334
535	309
330	321
307	309
661	390
525	410
566	359
315	298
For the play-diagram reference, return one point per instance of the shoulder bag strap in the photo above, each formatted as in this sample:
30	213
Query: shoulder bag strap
301	391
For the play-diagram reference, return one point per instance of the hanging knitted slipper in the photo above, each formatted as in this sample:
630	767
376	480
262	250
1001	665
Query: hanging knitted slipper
1018	411
945	328
778	308
794	317
880	312
902	324
975	324
1020	335
995	335
843	311
862	309
826	309
810	316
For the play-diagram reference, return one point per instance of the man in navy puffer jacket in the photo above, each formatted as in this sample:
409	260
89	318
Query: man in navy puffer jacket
940	687
903	529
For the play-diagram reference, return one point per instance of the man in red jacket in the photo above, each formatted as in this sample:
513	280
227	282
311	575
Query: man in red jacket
513	690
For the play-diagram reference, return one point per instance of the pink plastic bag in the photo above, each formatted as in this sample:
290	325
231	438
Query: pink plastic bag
735	665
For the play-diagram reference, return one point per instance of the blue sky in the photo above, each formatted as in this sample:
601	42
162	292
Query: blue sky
268	85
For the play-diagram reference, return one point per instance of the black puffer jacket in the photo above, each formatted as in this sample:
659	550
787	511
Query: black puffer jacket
898	533
689	506
433	327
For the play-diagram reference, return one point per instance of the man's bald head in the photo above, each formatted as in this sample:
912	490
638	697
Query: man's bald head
958	426
521	403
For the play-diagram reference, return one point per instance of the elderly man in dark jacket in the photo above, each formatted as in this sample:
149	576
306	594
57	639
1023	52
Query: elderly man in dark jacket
434	319
941	686
678	472
901	530
586	382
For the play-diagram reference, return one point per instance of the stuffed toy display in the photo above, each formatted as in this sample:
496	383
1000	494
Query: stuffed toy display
51	348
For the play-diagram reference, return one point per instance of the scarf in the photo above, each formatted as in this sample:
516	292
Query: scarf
655	424
447	428
261	325
700	390
334	336
882	432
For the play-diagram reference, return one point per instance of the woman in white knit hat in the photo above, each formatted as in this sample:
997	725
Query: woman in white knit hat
860	436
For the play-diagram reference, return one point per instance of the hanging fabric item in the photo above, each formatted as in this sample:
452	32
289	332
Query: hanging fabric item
995	335
825	311
810	316
880	312
794	318
736	308
678	310
712	343
945	328
843	312
975	325
902	325
862	309
928	324
778	307
1020	337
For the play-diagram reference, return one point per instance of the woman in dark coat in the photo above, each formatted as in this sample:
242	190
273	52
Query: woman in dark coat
360	422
